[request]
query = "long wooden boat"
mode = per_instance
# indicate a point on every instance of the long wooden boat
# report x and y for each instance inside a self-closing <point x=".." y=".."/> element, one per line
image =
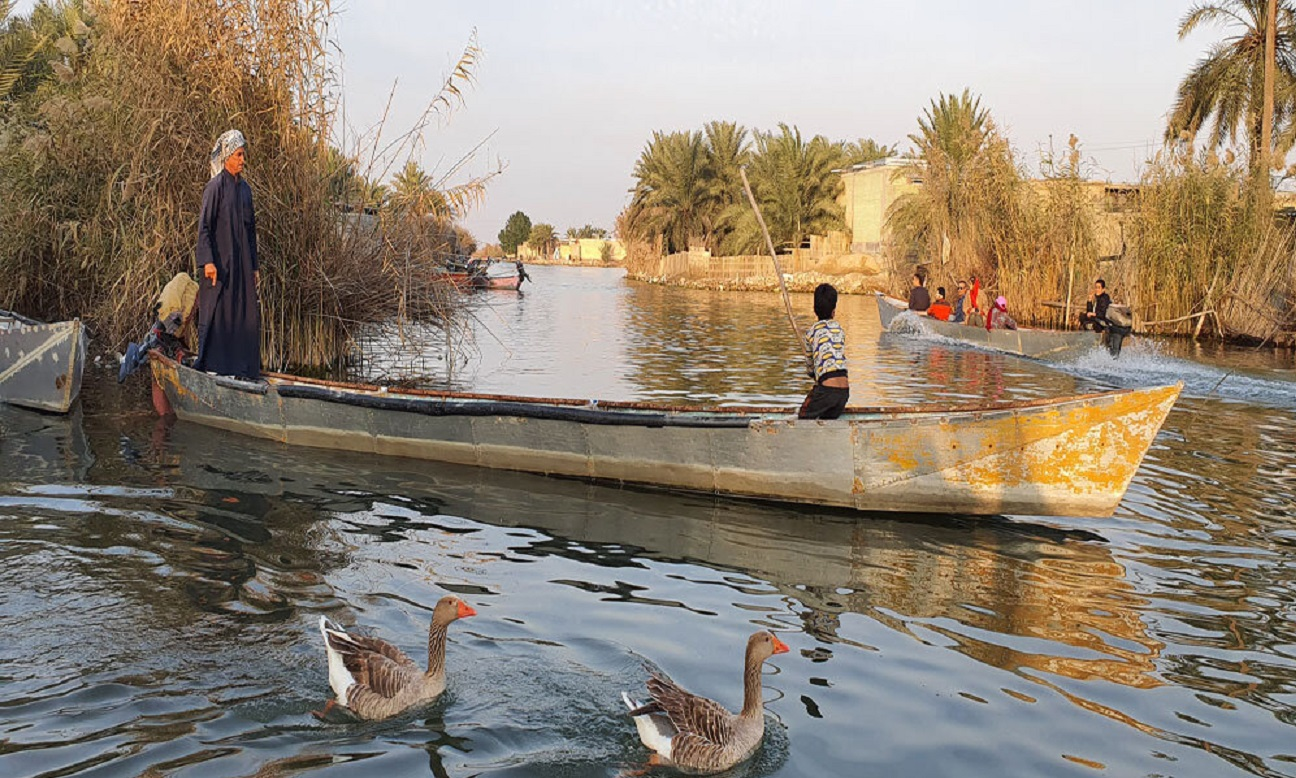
<point x="1026" y="342"/>
<point x="1073" y="456"/>
<point x="40" y="364"/>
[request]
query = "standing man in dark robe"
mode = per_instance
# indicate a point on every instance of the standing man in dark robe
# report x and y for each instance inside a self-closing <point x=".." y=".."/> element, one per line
<point x="229" y="313"/>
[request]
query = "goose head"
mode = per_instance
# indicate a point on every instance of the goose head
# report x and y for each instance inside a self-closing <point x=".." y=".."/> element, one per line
<point x="763" y="645"/>
<point x="451" y="608"/>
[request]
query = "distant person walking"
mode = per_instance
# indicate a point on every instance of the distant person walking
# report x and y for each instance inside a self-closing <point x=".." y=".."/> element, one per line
<point x="826" y="344"/>
<point x="229" y="313"/>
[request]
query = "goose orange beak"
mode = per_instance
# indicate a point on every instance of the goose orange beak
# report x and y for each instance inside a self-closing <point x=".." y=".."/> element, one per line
<point x="465" y="610"/>
<point x="780" y="647"/>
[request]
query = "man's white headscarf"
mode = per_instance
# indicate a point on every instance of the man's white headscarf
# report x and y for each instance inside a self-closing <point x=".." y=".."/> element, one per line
<point x="226" y="145"/>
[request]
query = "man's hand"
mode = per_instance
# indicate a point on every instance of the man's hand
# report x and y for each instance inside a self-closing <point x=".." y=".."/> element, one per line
<point x="256" y="279"/>
<point x="209" y="270"/>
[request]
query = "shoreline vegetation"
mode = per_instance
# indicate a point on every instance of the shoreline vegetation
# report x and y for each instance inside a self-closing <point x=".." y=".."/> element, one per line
<point x="1201" y="244"/>
<point x="1192" y="247"/>
<point x="107" y="114"/>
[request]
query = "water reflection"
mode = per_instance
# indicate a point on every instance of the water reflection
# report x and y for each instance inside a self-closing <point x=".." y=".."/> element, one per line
<point x="160" y="585"/>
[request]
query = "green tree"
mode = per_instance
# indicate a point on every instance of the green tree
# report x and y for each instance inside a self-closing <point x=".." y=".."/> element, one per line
<point x="413" y="191"/>
<point x="1226" y="86"/>
<point x="541" y="239"/>
<point x="969" y="187"/>
<point x="588" y="231"/>
<point x="865" y="150"/>
<point x="674" y="192"/>
<point x="516" y="231"/>
<point x="794" y="182"/>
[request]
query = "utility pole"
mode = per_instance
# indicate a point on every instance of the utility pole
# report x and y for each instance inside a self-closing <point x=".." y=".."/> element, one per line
<point x="1266" y="118"/>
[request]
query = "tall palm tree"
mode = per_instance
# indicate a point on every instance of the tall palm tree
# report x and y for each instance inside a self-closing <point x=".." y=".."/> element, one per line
<point x="1226" y="86"/>
<point x="865" y="150"/>
<point x="967" y="176"/>
<point x="414" y="191"/>
<point x="542" y="238"/>
<point x="793" y="182"/>
<point x="674" y="192"/>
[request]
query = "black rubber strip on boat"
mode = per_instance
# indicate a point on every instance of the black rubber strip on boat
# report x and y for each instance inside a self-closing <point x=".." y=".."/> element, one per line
<point x="433" y="406"/>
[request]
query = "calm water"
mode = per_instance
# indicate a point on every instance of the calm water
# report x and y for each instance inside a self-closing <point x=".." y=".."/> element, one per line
<point x="160" y="583"/>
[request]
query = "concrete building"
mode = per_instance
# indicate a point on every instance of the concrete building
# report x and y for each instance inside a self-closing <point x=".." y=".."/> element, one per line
<point x="870" y="189"/>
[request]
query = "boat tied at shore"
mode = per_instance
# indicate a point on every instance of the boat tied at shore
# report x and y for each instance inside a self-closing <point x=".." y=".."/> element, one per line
<point x="40" y="364"/>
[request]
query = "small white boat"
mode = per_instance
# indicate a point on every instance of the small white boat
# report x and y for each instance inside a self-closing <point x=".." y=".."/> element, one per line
<point x="40" y="364"/>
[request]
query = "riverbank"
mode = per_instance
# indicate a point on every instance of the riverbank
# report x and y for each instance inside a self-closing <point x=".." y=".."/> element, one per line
<point x="849" y="273"/>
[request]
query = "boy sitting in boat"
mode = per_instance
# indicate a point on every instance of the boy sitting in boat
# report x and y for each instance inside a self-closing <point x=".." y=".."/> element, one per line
<point x="940" y="309"/>
<point x="826" y="350"/>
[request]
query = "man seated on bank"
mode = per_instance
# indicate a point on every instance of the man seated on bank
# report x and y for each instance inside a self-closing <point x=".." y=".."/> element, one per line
<point x="826" y="357"/>
<point x="940" y="309"/>
<point x="1095" y="313"/>
<point x="919" y="297"/>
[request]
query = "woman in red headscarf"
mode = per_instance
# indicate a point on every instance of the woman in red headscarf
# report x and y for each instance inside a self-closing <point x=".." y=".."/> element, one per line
<point x="998" y="316"/>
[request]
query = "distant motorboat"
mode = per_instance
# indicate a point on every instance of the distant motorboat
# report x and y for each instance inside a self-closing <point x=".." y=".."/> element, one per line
<point x="1024" y="341"/>
<point x="40" y="364"/>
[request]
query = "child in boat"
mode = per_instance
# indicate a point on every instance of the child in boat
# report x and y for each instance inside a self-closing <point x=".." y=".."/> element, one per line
<point x="826" y="350"/>
<point x="940" y="309"/>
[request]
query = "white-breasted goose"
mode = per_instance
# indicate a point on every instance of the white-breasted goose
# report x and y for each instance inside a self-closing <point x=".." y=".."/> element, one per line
<point x="700" y="736"/>
<point x="374" y="679"/>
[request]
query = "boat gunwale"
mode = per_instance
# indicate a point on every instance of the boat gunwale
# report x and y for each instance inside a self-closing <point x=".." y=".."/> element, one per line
<point x="753" y="413"/>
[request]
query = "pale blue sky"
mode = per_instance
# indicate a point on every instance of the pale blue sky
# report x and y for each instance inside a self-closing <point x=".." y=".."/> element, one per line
<point x="572" y="90"/>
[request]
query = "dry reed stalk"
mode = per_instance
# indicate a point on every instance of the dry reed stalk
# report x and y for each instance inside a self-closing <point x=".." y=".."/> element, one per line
<point x="105" y="168"/>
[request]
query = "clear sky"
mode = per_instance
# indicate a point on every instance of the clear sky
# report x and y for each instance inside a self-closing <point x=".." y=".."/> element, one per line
<point x="572" y="89"/>
<point x="569" y="91"/>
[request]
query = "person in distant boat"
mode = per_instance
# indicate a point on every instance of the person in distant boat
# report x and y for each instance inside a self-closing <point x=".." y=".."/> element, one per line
<point x="957" y="315"/>
<point x="1095" y="313"/>
<point x="974" y="315"/>
<point x="229" y="313"/>
<point x="826" y="349"/>
<point x="940" y="309"/>
<point x="919" y="297"/>
<point x="998" y="318"/>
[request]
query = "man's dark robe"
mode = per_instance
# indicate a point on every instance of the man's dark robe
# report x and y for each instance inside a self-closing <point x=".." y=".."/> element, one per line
<point x="229" y="316"/>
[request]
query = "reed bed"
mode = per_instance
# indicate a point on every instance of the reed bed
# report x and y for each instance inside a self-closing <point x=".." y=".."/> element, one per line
<point x="1192" y="248"/>
<point x="106" y="162"/>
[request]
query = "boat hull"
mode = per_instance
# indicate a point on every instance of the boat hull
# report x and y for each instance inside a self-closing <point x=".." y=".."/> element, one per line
<point x="1070" y="457"/>
<point x="41" y="364"/>
<point x="1037" y="344"/>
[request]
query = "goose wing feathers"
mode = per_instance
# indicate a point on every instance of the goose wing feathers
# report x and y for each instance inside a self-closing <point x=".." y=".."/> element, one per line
<point x="377" y="666"/>
<point x="698" y="719"/>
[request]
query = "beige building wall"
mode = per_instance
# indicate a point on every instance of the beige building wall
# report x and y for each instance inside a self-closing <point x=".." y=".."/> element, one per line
<point x="589" y="250"/>
<point x="869" y="191"/>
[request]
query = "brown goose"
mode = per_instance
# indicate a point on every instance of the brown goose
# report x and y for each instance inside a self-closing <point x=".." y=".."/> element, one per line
<point x="697" y="735"/>
<point x="374" y="679"/>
